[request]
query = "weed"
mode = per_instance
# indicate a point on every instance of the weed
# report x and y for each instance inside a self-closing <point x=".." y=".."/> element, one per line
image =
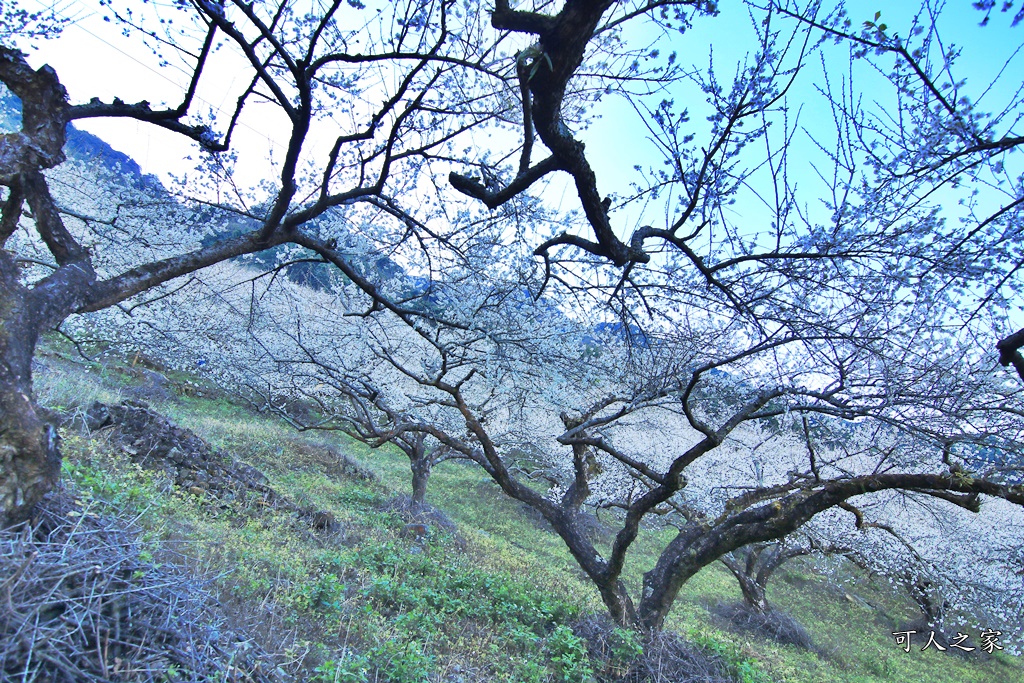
<point x="568" y="654"/>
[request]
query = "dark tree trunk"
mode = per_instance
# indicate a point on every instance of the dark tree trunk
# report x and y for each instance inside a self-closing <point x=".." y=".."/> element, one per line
<point x="620" y="605"/>
<point x="29" y="457"/>
<point x="928" y="598"/>
<point x="754" y="594"/>
<point x="570" y="525"/>
<point x="612" y="590"/>
<point x="421" y="467"/>
<point x="662" y="583"/>
<point x="698" y="545"/>
<point x="754" y="565"/>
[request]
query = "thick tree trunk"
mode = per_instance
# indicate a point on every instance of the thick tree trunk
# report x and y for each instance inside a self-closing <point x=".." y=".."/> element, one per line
<point x="619" y="604"/>
<point x="754" y="565"/>
<point x="659" y="594"/>
<point x="29" y="458"/>
<point x="420" y="475"/>
<point x="754" y="594"/>
<point x="569" y="525"/>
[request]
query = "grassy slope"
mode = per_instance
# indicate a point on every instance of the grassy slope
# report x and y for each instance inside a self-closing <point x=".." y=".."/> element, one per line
<point x="365" y="604"/>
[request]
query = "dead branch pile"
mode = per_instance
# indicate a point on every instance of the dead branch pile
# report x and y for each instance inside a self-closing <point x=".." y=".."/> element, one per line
<point x="665" y="657"/>
<point x="80" y="600"/>
<point x="773" y="624"/>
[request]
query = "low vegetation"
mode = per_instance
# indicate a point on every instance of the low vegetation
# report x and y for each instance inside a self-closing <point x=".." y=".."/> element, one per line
<point x="474" y="589"/>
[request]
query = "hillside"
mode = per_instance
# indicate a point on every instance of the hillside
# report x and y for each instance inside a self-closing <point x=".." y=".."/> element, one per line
<point x="689" y="326"/>
<point x="81" y="144"/>
<point x="475" y="589"/>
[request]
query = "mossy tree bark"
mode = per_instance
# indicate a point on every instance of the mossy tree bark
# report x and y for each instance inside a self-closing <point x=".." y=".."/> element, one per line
<point x="755" y="594"/>
<point x="29" y="456"/>
<point x="29" y="459"/>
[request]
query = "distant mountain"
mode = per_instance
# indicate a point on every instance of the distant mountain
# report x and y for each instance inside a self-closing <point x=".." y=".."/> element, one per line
<point x="84" y="146"/>
<point x="81" y="146"/>
<point x="627" y="333"/>
<point x="418" y="293"/>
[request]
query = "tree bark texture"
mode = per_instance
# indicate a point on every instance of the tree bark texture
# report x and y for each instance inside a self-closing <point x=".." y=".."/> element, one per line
<point x="752" y="566"/>
<point x="421" y="467"/>
<point x="29" y="457"/>
<point x="754" y="594"/>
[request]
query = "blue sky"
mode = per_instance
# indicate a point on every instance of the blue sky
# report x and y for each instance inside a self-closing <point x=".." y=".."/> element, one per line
<point x="93" y="59"/>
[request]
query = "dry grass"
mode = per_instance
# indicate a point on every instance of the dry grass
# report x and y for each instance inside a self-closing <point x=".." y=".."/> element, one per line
<point x="83" y="600"/>
<point x="623" y="657"/>
<point x="772" y="625"/>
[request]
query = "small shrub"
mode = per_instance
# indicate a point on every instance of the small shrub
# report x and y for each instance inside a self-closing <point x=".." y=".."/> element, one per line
<point x="626" y="646"/>
<point x="612" y="649"/>
<point x="569" y="656"/>
<point x="402" y="662"/>
<point x="351" y="668"/>
<point x="728" y="663"/>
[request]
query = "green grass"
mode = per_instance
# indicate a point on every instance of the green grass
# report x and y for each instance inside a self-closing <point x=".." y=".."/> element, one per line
<point x="367" y="604"/>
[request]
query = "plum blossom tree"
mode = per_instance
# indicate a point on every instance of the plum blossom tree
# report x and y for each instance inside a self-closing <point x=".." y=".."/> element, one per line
<point x="936" y="138"/>
<point x="614" y="465"/>
<point x="304" y="65"/>
<point x="372" y="103"/>
<point x="754" y="565"/>
<point x="643" y="370"/>
<point x="905" y="540"/>
<point x="879" y="279"/>
<point x="359" y="416"/>
<point x="675" y="428"/>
